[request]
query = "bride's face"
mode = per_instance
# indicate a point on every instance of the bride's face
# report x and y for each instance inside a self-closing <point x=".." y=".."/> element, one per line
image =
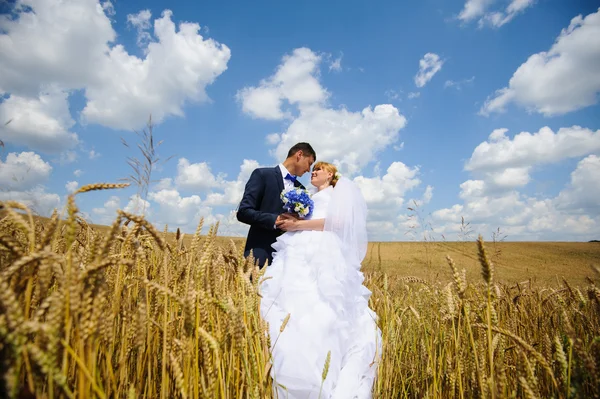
<point x="319" y="177"/>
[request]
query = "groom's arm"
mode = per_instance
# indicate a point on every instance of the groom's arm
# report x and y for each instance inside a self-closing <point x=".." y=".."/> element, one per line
<point x="248" y="211"/>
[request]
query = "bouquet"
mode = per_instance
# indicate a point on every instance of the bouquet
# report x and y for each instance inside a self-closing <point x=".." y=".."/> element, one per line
<point x="298" y="201"/>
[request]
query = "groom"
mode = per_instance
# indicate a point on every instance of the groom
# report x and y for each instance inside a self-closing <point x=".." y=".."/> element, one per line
<point x="261" y="206"/>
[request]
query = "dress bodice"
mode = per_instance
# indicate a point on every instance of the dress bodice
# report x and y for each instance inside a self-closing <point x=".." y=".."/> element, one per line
<point x="321" y="200"/>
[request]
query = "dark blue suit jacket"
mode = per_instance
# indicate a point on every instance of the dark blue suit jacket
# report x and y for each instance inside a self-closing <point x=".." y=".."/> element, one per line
<point x="260" y="206"/>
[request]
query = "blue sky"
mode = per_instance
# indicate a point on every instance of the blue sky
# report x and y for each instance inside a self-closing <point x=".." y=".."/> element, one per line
<point x="482" y="109"/>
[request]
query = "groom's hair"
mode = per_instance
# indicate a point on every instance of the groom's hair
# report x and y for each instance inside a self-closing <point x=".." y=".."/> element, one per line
<point x="306" y="149"/>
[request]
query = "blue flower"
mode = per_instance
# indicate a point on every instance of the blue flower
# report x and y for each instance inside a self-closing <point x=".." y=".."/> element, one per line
<point x="298" y="201"/>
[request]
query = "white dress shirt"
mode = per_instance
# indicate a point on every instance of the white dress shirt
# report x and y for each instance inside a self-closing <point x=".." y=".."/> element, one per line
<point x="287" y="184"/>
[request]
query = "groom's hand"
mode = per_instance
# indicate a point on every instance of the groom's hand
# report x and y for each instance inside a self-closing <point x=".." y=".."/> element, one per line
<point x="283" y="218"/>
<point x="288" y="224"/>
<point x="278" y="221"/>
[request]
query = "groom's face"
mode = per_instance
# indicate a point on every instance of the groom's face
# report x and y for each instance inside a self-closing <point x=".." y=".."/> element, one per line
<point x="304" y="163"/>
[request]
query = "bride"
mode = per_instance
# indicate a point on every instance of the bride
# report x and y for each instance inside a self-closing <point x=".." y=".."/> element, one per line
<point x="325" y="342"/>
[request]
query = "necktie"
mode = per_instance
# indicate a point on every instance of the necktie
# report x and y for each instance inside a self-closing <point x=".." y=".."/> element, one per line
<point x="290" y="177"/>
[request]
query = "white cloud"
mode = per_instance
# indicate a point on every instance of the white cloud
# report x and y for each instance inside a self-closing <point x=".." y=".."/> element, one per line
<point x="414" y="94"/>
<point x="196" y="176"/>
<point x="228" y="224"/>
<point x="71" y="186"/>
<point x="518" y="215"/>
<point x="170" y="207"/>
<point x="36" y="199"/>
<point x="458" y="85"/>
<point x="109" y="8"/>
<point x="141" y="22"/>
<point x="583" y="191"/>
<point x="108" y="212"/>
<point x="392" y="94"/>
<point x="67" y="157"/>
<point x="59" y="42"/>
<point x="40" y="123"/>
<point x="176" y="210"/>
<point x="69" y="45"/>
<point x="479" y="9"/>
<point x="389" y="190"/>
<point x="262" y="102"/>
<point x="295" y="81"/>
<point x="139" y="206"/>
<point x="78" y="172"/>
<point x="336" y="65"/>
<point x="176" y="70"/>
<point x="527" y="149"/>
<point x="509" y="177"/>
<point x="348" y="139"/>
<point x="429" y="65"/>
<point x="474" y="9"/>
<point x="539" y="84"/>
<point x="167" y="206"/>
<point x="164" y="184"/>
<point x="23" y="171"/>
<point x="516" y="6"/>
<point x="385" y="197"/>
<point x="232" y="190"/>
<point x="386" y="200"/>
<point x="272" y="139"/>
<point x="110" y="207"/>
<point x="487" y="203"/>
<point x="92" y="154"/>
<point x="428" y="195"/>
<point x="500" y="18"/>
<point x="502" y="166"/>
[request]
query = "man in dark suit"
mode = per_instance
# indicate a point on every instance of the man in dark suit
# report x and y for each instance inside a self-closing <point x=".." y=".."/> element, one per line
<point x="261" y="206"/>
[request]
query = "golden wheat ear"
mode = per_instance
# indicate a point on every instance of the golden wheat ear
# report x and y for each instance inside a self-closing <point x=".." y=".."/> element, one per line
<point x="100" y="186"/>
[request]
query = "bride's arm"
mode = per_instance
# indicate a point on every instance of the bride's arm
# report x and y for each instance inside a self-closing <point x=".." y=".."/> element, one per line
<point x="292" y="224"/>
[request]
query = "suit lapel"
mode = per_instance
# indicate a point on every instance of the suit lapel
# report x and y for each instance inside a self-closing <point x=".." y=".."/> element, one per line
<point x="278" y="178"/>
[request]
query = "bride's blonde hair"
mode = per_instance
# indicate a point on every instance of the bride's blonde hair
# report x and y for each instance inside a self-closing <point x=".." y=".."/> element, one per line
<point x="329" y="168"/>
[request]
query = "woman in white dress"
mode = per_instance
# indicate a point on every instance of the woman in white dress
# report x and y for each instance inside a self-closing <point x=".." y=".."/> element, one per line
<point x="315" y="278"/>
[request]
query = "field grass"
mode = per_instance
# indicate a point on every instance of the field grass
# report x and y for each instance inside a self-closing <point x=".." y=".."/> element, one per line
<point x="125" y="311"/>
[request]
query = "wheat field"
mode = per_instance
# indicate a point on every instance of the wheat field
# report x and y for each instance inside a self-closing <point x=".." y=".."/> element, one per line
<point x="131" y="312"/>
<point x="540" y="263"/>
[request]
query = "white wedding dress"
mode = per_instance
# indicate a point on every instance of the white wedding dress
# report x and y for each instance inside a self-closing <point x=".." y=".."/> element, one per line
<point x="314" y="281"/>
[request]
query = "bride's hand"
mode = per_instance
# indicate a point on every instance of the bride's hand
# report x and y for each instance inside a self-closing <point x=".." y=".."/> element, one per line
<point x="288" y="224"/>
